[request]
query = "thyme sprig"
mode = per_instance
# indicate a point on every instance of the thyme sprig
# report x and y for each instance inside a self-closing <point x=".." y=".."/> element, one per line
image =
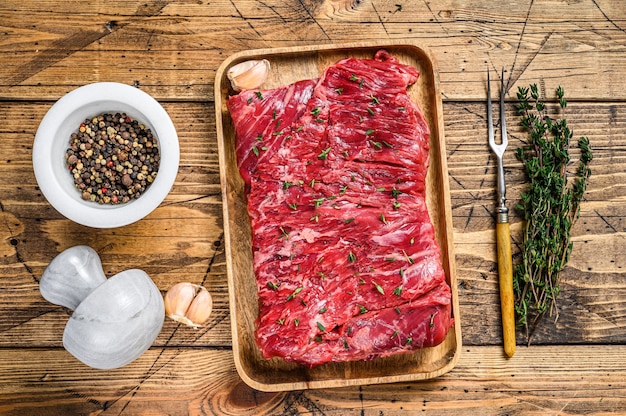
<point x="550" y="205"/>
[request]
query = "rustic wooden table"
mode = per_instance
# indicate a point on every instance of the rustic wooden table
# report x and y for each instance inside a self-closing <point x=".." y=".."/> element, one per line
<point x="172" y="49"/>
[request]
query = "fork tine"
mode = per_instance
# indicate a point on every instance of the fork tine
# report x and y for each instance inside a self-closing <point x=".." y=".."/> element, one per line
<point x="502" y="118"/>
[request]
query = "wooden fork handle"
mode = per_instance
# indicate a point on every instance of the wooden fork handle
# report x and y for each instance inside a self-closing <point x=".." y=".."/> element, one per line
<point x="505" y="272"/>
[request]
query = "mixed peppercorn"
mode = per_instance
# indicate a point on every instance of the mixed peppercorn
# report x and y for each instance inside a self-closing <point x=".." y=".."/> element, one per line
<point x="113" y="158"/>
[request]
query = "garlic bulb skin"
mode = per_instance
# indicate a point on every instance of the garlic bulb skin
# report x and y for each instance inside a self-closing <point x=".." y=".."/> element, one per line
<point x="248" y="75"/>
<point x="117" y="322"/>
<point x="71" y="276"/>
<point x="189" y="304"/>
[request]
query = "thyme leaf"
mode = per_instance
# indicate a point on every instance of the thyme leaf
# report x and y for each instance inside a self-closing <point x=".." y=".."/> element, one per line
<point x="550" y="205"/>
<point x="294" y="293"/>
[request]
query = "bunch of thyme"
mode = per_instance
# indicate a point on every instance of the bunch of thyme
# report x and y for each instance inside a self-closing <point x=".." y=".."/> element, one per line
<point x="550" y="206"/>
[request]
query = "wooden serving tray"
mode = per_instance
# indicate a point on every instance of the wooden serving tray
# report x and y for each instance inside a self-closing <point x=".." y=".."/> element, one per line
<point x="289" y="65"/>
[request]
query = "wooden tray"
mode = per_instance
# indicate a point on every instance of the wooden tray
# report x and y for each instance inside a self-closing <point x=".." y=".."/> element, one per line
<point x="290" y="65"/>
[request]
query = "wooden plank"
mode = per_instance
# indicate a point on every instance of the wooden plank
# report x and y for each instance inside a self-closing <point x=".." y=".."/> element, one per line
<point x="594" y="282"/>
<point x="173" y="50"/>
<point x="182" y="239"/>
<point x="537" y="381"/>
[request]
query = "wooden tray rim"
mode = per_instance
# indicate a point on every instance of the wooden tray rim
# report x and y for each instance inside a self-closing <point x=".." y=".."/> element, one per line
<point x="447" y="215"/>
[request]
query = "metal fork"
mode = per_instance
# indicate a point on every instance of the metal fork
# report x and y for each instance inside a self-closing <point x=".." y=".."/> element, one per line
<point x="503" y="231"/>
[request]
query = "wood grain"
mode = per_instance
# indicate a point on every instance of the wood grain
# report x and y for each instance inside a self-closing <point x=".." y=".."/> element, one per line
<point x="172" y="50"/>
<point x="33" y="232"/>
<point x="505" y="285"/>
<point x="175" y="381"/>
<point x="596" y="258"/>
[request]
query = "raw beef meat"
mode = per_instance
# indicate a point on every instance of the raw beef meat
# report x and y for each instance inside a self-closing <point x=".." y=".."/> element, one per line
<point x="258" y="123"/>
<point x="345" y="257"/>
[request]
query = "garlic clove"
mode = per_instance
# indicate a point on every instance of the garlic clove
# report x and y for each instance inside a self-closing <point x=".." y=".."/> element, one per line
<point x="201" y="308"/>
<point x="71" y="276"/>
<point x="248" y="75"/>
<point x="178" y="299"/>
<point x="117" y="322"/>
<point x="188" y="303"/>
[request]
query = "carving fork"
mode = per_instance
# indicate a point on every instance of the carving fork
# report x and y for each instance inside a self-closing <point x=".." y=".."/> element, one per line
<point x="503" y="232"/>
